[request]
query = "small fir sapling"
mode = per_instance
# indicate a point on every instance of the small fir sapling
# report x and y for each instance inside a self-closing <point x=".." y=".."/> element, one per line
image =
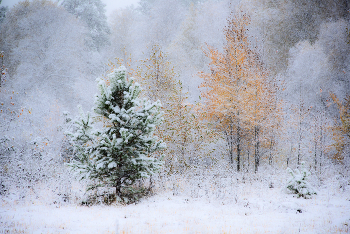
<point x="298" y="183"/>
<point x="113" y="148"/>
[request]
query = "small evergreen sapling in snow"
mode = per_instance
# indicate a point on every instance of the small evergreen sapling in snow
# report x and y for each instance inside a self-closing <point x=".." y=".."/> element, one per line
<point x="298" y="183"/>
<point x="113" y="148"/>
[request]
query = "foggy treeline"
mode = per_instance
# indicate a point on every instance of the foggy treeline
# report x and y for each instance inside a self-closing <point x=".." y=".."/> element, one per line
<point x="245" y="85"/>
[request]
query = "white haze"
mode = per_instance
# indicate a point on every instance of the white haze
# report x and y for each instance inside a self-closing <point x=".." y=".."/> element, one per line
<point x="53" y="58"/>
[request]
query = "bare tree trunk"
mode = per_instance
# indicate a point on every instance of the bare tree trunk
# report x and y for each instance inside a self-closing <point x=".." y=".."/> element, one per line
<point x="238" y="147"/>
<point x="118" y="188"/>
<point x="2" y="65"/>
<point x="300" y="116"/>
<point x="151" y="185"/>
<point x="315" y="154"/>
<point x="316" y="141"/>
<point x="248" y="161"/>
<point x="229" y="139"/>
<point x="230" y="146"/>
<point x="299" y="141"/>
<point x="257" y="143"/>
<point x="322" y="148"/>
<point x="270" y="157"/>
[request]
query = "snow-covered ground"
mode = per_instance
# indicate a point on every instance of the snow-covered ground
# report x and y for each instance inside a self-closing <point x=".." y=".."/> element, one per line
<point x="253" y="209"/>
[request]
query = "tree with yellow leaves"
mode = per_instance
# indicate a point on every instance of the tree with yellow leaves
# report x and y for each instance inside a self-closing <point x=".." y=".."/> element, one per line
<point x="238" y="98"/>
<point x="341" y="132"/>
<point x="182" y="131"/>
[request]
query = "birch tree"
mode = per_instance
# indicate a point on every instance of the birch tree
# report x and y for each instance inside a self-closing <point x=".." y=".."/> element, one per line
<point x="182" y="130"/>
<point x="237" y="95"/>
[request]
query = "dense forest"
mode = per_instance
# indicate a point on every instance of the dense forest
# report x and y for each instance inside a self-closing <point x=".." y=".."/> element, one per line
<point x="248" y="87"/>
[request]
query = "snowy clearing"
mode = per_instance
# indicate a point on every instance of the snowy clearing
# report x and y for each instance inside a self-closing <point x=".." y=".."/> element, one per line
<point x="203" y="112"/>
<point x="254" y="211"/>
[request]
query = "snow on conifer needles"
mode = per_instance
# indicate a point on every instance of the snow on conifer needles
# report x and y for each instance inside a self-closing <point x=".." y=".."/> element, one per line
<point x="113" y="148"/>
<point x="298" y="183"/>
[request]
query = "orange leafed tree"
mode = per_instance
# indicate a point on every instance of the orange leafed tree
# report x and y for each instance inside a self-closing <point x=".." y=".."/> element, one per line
<point x="238" y="97"/>
<point x="341" y="132"/>
<point x="185" y="136"/>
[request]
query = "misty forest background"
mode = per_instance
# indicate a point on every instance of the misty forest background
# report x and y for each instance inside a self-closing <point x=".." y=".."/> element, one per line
<point x="248" y="87"/>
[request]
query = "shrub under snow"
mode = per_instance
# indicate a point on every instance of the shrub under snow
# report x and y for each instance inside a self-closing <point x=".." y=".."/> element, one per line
<point x="298" y="183"/>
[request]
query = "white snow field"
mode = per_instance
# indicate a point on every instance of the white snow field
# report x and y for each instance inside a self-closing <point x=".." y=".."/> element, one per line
<point x="242" y="207"/>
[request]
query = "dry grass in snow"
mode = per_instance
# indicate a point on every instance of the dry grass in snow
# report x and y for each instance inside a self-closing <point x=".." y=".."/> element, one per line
<point x="252" y="209"/>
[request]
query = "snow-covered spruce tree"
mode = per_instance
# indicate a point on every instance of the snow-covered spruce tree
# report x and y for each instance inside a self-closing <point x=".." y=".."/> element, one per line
<point x="114" y="147"/>
<point x="298" y="183"/>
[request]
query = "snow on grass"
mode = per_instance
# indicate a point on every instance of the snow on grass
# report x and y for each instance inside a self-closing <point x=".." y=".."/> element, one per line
<point x="254" y="209"/>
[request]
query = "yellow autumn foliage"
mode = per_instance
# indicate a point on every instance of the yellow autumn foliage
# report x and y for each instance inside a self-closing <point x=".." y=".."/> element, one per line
<point x="238" y="96"/>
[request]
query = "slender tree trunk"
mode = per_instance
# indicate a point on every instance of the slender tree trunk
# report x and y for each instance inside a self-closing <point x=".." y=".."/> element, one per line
<point x="270" y="157"/>
<point x="229" y="138"/>
<point x="238" y="147"/>
<point x="299" y="141"/>
<point x="322" y="148"/>
<point x="118" y="188"/>
<point x="299" y="153"/>
<point x="184" y="136"/>
<point x="231" y="151"/>
<point x="248" y="161"/>
<point x="2" y="65"/>
<point x="230" y="146"/>
<point x="151" y="186"/>
<point x="257" y="143"/>
<point x="315" y="155"/>
<point x="300" y="115"/>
